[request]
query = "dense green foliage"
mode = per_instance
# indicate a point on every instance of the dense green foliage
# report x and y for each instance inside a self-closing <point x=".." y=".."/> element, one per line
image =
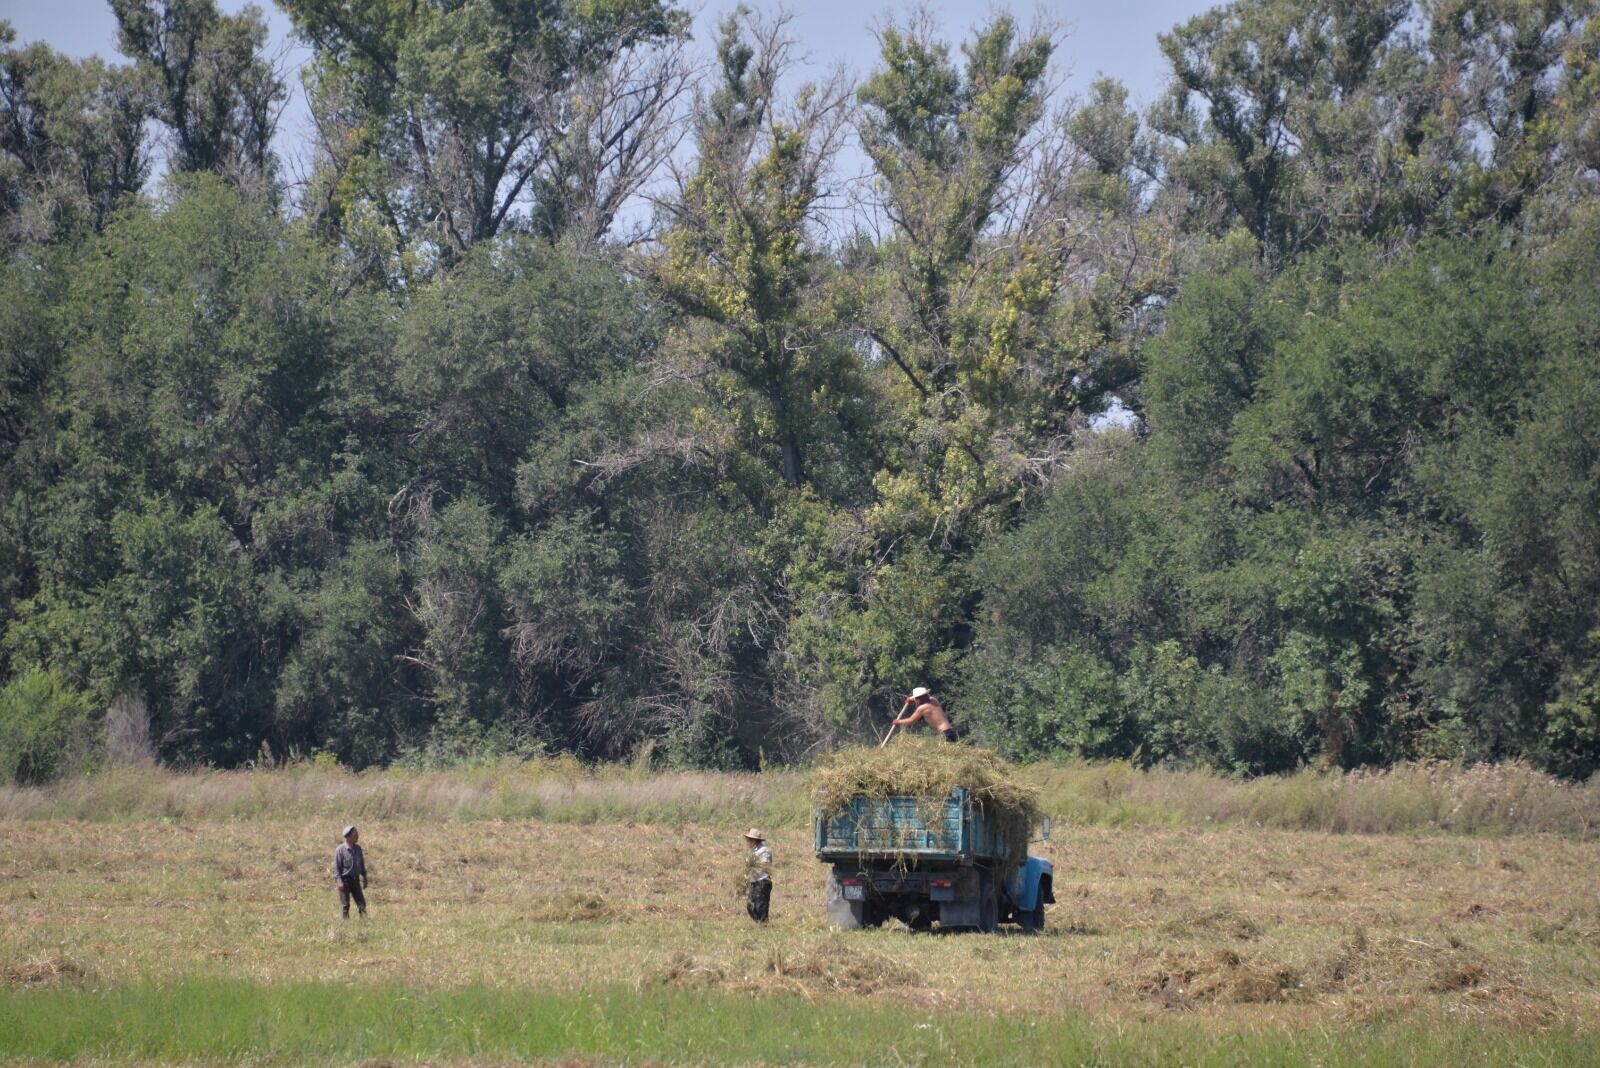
<point x="1259" y="429"/>
<point x="44" y="728"/>
<point x="1363" y="524"/>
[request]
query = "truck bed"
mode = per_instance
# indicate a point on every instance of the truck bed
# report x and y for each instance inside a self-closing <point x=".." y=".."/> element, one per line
<point x="900" y="829"/>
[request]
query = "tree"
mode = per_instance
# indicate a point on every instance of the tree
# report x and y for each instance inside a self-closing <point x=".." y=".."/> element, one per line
<point x="190" y="473"/>
<point x="1517" y="71"/>
<point x="737" y="255"/>
<point x="490" y="357"/>
<point x="955" y="293"/>
<point x="444" y="119"/>
<point x="214" y="89"/>
<point x="436" y="468"/>
<point x="72" y="140"/>
<point x="1506" y="615"/>
<point x="1388" y="119"/>
<point x="946" y="143"/>
<point x="612" y="133"/>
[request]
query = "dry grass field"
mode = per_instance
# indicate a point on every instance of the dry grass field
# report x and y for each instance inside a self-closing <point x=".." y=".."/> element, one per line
<point x="1216" y="931"/>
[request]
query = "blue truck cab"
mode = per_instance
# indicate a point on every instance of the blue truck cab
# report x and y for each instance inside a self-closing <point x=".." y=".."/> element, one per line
<point x="924" y="864"/>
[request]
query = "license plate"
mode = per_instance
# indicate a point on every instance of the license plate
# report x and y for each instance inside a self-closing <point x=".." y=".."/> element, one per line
<point x="855" y="893"/>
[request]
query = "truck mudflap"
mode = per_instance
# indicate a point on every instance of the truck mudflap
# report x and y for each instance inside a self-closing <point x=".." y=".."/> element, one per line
<point x="964" y="905"/>
<point x="847" y="904"/>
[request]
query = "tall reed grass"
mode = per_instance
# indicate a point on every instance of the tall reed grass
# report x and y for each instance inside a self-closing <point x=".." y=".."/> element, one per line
<point x="1484" y="799"/>
<point x="559" y="790"/>
<point x="1496" y="799"/>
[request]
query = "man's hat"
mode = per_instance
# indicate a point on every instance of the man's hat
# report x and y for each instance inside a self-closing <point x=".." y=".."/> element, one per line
<point x="755" y="835"/>
<point x="348" y="831"/>
<point x="920" y="691"/>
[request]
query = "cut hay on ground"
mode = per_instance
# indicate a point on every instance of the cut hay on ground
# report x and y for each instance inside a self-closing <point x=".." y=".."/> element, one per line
<point x="929" y="770"/>
<point x="41" y="969"/>
<point x="811" y="971"/>
<point x="1179" y="979"/>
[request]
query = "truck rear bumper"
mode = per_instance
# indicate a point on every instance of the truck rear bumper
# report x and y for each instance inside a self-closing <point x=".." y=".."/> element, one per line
<point x="953" y="897"/>
<point x="934" y="886"/>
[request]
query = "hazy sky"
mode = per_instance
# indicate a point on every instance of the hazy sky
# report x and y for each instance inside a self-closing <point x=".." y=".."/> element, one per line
<point x="1118" y="39"/>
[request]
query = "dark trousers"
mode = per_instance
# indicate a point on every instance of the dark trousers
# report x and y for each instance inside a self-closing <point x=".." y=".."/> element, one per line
<point x="758" y="900"/>
<point x="950" y="734"/>
<point x="350" y="889"/>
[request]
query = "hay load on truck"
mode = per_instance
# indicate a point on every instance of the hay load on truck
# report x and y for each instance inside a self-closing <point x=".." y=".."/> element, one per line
<point x="929" y="834"/>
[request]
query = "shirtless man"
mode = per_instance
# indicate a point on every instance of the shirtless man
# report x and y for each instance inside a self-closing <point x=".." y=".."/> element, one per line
<point x="926" y="709"/>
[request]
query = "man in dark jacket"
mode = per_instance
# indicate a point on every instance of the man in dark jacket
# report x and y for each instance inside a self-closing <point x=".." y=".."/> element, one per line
<point x="350" y="872"/>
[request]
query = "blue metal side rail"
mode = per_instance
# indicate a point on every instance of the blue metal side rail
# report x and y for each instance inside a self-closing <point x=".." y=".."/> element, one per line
<point x="900" y="828"/>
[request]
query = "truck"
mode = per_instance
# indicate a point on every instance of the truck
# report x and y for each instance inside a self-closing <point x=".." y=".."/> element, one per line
<point x="923" y="862"/>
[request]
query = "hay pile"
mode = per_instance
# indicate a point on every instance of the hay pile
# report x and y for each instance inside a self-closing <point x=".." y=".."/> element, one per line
<point x="929" y="769"/>
<point x="820" y="969"/>
<point x="579" y="906"/>
<point x="1180" y="978"/>
<point x="36" y="971"/>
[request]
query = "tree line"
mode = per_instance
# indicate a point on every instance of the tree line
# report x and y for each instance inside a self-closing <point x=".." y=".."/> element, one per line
<point x="582" y="397"/>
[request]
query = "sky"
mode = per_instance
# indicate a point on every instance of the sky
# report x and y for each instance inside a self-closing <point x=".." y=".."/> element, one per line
<point x="1117" y="39"/>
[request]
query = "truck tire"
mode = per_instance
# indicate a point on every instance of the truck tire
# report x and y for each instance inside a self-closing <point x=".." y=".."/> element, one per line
<point x="845" y="915"/>
<point x="1032" y="921"/>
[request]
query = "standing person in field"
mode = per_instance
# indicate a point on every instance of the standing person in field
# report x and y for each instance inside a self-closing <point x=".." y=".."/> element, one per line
<point x="758" y="898"/>
<point x="927" y="709"/>
<point x="350" y="872"/>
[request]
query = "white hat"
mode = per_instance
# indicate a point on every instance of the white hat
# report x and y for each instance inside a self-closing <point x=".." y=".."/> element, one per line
<point x="920" y="691"/>
<point x="755" y="835"/>
<point x="348" y="831"/>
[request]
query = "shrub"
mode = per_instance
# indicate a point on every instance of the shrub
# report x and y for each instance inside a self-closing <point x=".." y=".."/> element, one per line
<point x="44" y="728"/>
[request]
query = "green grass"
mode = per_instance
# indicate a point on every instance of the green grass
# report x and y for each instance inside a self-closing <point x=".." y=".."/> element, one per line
<point x="204" y="1020"/>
